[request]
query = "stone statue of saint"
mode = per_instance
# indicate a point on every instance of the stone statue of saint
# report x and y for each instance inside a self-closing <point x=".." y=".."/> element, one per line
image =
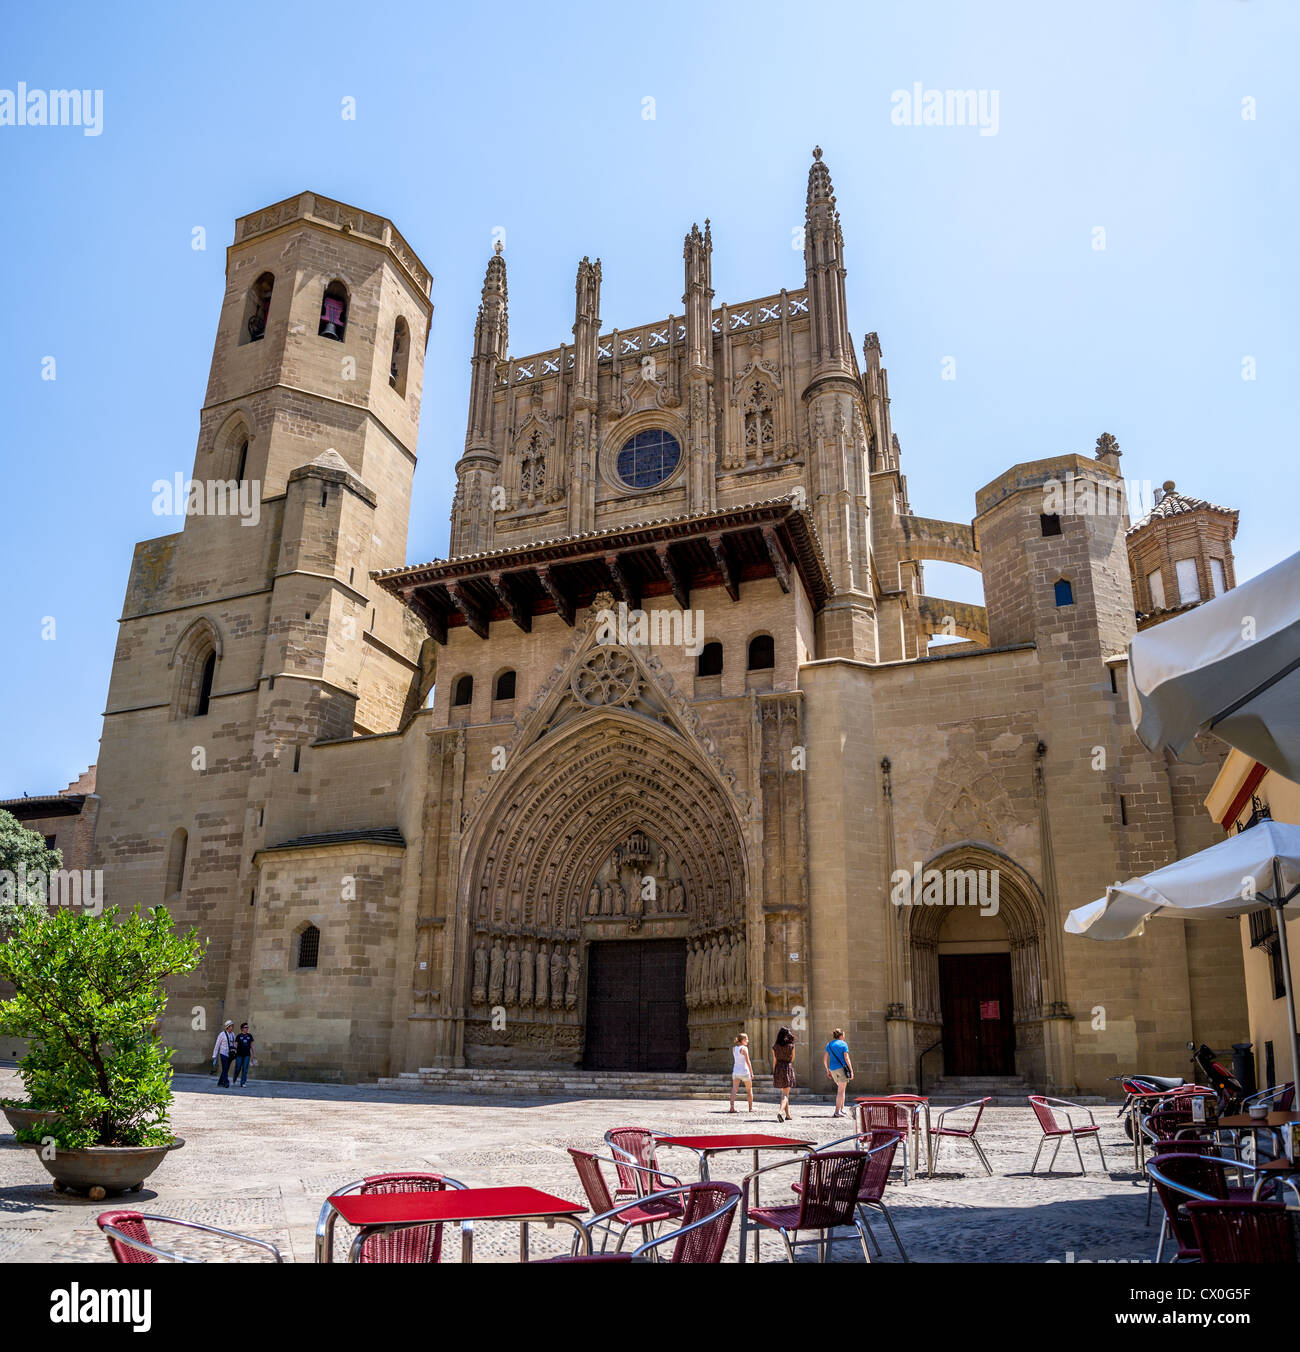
<point x="558" y="966"/>
<point x="593" y="900"/>
<point x="571" y="989"/>
<point x="479" y="992"/>
<point x="738" y="971"/>
<point x="496" y="973"/>
<point x="526" y="977"/>
<point x="635" y="898"/>
<point x="711" y="972"/>
<point x="543" y="970"/>
<point x="677" y="898"/>
<point x="606" y="899"/>
<point x="512" y="974"/>
<point x="620" y="899"/>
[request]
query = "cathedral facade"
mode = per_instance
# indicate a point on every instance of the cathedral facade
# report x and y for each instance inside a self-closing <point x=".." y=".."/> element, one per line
<point x="663" y="750"/>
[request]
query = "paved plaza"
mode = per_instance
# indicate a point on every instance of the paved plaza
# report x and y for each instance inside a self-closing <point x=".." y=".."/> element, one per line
<point x="260" y="1161"/>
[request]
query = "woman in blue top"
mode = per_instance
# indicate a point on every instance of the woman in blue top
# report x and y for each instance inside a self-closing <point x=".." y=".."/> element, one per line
<point x="838" y="1067"/>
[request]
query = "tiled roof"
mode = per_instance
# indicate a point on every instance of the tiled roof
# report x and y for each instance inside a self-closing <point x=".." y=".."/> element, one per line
<point x="1174" y="503"/>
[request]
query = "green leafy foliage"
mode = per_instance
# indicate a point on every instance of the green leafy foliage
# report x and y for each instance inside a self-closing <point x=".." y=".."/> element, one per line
<point x="25" y="864"/>
<point x="88" y="992"/>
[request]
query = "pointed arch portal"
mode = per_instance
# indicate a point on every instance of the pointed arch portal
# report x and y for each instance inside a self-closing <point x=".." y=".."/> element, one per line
<point x="612" y="830"/>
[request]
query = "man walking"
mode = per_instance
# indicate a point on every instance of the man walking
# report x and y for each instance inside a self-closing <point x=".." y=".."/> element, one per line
<point x="243" y="1054"/>
<point x="224" y="1050"/>
<point x="838" y="1067"/>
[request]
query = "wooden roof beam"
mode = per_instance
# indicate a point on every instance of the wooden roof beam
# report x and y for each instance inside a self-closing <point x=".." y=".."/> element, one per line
<point x="679" y="582"/>
<point x="776" y="552"/>
<point x="474" y="617"/>
<point x="622" y="583"/>
<point x="563" y="602"/>
<point x="724" y="567"/>
<point x="520" y="612"/>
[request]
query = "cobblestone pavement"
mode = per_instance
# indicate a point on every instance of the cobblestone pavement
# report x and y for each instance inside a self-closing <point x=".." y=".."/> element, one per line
<point x="260" y="1160"/>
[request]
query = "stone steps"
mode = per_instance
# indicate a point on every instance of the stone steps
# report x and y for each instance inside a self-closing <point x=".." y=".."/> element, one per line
<point x="498" y="1082"/>
<point x="490" y="1081"/>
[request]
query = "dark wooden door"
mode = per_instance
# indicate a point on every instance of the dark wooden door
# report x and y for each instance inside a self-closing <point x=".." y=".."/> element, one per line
<point x="636" y="1005"/>
<point x="979" y="1036"/>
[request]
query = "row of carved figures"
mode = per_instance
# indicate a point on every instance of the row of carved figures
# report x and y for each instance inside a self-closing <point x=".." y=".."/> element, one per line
<point x="715" y="971"/>
<point x="521" y="977"/>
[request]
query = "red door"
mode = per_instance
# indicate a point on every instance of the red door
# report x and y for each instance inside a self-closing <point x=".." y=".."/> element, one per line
<point x="979" y="1036"/>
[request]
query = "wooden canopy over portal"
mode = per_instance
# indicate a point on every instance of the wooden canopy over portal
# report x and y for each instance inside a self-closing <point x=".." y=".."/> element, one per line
<point x="675" y="555"/>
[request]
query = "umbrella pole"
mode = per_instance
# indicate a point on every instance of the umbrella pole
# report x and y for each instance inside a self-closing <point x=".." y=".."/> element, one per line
<point x="1287" y="985"/>
<point x="1279" y="905"/>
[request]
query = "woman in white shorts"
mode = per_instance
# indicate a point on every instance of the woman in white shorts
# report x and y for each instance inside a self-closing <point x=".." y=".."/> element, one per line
<point x="742" y="1070"/>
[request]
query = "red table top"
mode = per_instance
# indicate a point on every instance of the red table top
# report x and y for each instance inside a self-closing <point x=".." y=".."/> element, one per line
<point x="451" y="1204"/>
<point x="1240" y="1121"/>
<point x="731" y="1142"/>
<point x="894" y="1098"/>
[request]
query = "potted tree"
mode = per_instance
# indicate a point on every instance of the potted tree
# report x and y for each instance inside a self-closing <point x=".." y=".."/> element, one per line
<point x="88" y="993"/>
<point x="26" y="864"/>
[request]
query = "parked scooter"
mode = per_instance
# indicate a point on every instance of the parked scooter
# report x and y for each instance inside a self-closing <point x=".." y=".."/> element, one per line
<point x="1213" y="1076"/>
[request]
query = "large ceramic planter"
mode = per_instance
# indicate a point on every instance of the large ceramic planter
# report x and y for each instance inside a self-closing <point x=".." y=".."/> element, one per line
<point x="98" y="1170"/>
<point x="22" y="1118"/>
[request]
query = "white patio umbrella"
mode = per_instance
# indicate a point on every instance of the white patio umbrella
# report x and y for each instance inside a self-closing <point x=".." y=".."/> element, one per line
<point x="1246" y="872"/>
<point x="1231" y="667"/>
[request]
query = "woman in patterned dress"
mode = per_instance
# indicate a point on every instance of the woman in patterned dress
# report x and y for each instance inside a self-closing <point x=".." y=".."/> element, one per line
<point x="783" y="1070"/>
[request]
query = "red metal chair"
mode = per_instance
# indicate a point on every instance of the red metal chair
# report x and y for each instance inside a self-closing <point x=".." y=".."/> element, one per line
<point x="635" y="1146"/>
<point x="879" y="1149"/>
<point x="1202" y="1178"/>
<point x="129" y="1240"/>
<point x="829" y="1185"/>
<point x="702" y="1235"/>
<point x="1045" y="1109"/>
<point x="1242" y="1232"/>
<point x="939" y="1132"/>
<point x="411" y="1244"/>
<point x="644" y="1211"/>
<point x="875" y="1115"/>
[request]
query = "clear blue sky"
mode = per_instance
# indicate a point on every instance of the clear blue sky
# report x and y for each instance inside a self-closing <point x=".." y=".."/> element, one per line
<point x="1126" y="116"/>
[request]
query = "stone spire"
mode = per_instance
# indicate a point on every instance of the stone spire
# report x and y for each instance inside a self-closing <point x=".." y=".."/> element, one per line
<point x="582" y="426"/>
<point x="823" y="254"/>
<point x="491" y="344"/>
<point x="698" y="298"/>
<point x="478" y="469"/>
<point x="586" y="328"/>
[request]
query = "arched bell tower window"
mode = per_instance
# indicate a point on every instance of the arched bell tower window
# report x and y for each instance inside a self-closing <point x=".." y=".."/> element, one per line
<point x="505" y="688"/>
<point x="401" y="353"/>
<point x="257" y="309"/>
<point x="762" y="653"/>
<point x="709" y="662"/>
<point x="197" y="656"/>
<point x="463" y="691"/>
<point x="334" y="312"/>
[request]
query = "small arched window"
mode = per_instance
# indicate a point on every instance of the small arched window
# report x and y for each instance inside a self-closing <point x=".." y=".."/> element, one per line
<point x="334" y="312"/>
<point x="242" y="465"/>
<point x="463" y="692"/>
<point x="309" y="947"/>
<point x="204" y="694"/>
<point x="401" y="353"/>
<point x="709" y="662"/>
<point x="257" y="309"/>
<point x="762" y="653"/>
<point x="1064" y="593"/>
<point x="505" y="686"/>
<point x="176" y="852"/>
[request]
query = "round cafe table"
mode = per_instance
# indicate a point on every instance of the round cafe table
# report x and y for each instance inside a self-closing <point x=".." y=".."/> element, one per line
<point x="1270" y="1124"/>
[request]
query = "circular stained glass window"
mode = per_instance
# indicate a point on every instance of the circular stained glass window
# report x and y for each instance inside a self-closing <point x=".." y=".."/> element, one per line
<point x="648" y="458"/>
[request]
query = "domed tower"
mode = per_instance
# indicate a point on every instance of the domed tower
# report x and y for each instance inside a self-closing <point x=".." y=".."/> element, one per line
<point x="1180" y="554"/>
